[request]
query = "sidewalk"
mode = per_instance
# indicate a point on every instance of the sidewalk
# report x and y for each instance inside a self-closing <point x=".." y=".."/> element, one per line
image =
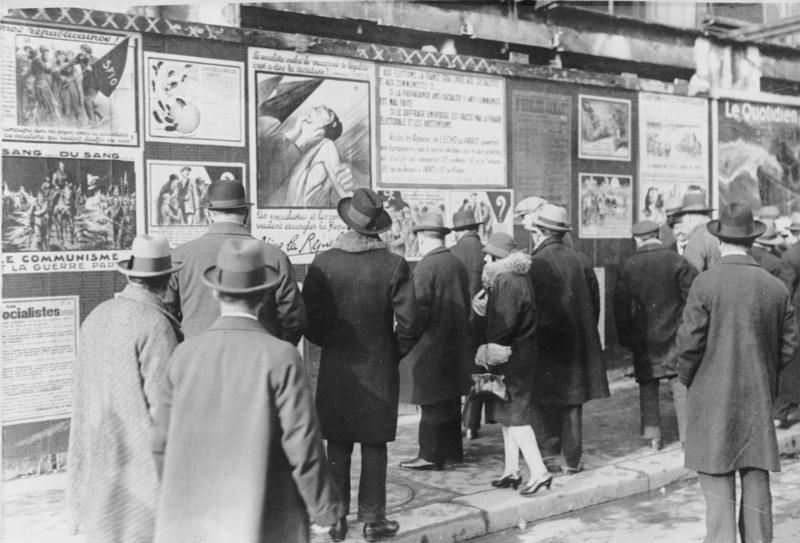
<point x="459" y="503"/>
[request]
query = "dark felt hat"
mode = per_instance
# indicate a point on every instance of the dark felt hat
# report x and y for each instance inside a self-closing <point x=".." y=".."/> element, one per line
<point x="736" y="223"/>
<point x="241" y="268"/>
<point x="464" y="219"/>
<point x="224" y="194"/>
<point x="642" y="228"/>
<point x="364" y="213"/>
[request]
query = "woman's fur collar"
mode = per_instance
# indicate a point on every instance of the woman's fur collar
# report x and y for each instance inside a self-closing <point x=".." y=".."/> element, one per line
<point x="354" y="242"/>
<point x="518" y="263"/>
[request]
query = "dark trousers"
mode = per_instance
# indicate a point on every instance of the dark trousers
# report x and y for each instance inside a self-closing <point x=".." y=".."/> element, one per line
<point x="755" y="510"/>
<point x="372" y="485"/>
<point x="648" y="405"/>
<point x="558" y="430"/>
<point x="473" y="406"/>
<point x="440" y="432"/>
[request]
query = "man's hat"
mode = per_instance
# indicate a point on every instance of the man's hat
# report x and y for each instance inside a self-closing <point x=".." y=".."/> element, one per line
<point x="553" y="217"/>
<point x="241" y="268"/>
<point x="693" y="202"/>
<point x="768" y="213"/>
<point x="464" y="219"/>
<point x="431" y="222"/>
<point x="532" y="204"/>
<point x="736" y="223"/>
<point x="223" y="195"/>
<point x="364" y="213"/>
<point x="795" y="225"/>
<point x="150" y="257"/>
<point x="770" y="235"/>
<point x="642" y="228"/>
<point x="500" y="245"/>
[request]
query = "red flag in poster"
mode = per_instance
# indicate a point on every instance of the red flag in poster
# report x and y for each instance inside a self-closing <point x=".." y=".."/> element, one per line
<point x="108" y="70"/>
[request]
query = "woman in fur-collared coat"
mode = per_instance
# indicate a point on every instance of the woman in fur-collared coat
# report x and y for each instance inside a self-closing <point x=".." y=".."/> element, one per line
<point x="511" y="322"/>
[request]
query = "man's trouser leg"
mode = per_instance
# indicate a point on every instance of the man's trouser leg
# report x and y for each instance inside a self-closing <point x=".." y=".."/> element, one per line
<point x="572" y="434"/>
<point x="546" y="423"/>
<point x="648" y="404"/>
<point x="372" y="485"/>
<point x="472" y="412"/>
<point x="679" y="395"/>
<point x="339" y="454"/>
<point x="755" y="511"/>
<point x="440" y="432"/>
<point x="720" y="494"/>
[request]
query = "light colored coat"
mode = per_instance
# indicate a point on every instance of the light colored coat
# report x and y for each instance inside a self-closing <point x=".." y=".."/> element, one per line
<point x="738" y="330"/>
<point x="122" y="359"/>
<point x="238" y="436"/>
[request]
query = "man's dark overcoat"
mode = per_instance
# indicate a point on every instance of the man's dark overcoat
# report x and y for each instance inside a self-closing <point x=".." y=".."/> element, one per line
<point x="570" y="368"/>
<point x="469" y="250"/>
<point x="790" y="376"/>
<point x="354" y="292"/>
<point x="776" y="266"/>
<point x="649" y="296"/>
<point x="242" y="452"/>
<point x="191" y="301"/>
<point x="738" y="330"/>
<point x="438" y="368"/>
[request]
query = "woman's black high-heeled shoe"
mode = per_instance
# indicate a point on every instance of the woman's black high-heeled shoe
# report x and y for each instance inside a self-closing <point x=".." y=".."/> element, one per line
<point x="509" y="481"/>
<point x="544" y="481"/>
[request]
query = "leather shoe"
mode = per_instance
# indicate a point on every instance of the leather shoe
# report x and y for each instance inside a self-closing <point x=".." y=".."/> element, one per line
<point x="374" y="531"/>
<point x="420" y="464"/>
<point x="508" y="481"/>
<point x="338" y="531"/>
<point x="567" y="470"/>
<point x="544" y="481"/>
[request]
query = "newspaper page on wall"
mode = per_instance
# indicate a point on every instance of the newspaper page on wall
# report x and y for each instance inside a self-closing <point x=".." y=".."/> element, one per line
<point x="68" y="208"/>
<point x="673" y="152"/>
<point x="759" y="154"/>
<point x="194" y="100"/>
<point x="314" y="144"/>
<point x="40" y="338"/>
<point x="69" y="85"/>
<point x="440" y="128"/>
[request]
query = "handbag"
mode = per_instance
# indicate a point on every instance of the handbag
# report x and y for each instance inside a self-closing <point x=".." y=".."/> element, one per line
<point x="489" y="386"/>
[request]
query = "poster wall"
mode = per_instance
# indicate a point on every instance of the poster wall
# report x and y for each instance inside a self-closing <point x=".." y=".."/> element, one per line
<point x="68" y="210"/>
<point x="405" y="208"/>
<point x="493" y="209"/>
<point x="541" y="136"/>
<point x="606" y="206"/>
<point x="40" y="339"/>
<point x="194" y="100"/>
<point x="673" y="151"/>
<point x="441" y="128"/>
<point x="62" y="85"/>
<point x="605" y="128"/>
<point x="759" y="146"/>
<point x="313" y="135"/>
<point x="177" y="196"/>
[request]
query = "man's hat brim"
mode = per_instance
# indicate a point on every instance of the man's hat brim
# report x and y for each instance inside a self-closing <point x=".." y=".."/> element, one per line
<point x="123" y="267"/>
<point x="379" y="225"/>
<point x="464" y="226"/>
<point x="699" y="209"/>
<point x="210" y="278"/>
<point x="715" y="228"/>
<point x="429" y="228"/>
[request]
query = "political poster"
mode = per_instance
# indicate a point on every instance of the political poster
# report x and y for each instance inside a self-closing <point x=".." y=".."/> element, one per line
<point x="493" y="211"/>
<point x="605" y="128"/>
<point x="606" y="206"/>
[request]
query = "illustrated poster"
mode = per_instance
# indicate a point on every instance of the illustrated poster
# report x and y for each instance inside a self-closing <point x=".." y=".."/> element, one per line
<point x="405" y="208"/>
<point x="605" y="206"/>
<point x="493" y="209"/>
<point x="605" y="128"/>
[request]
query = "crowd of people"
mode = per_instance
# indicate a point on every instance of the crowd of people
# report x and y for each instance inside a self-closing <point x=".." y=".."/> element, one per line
<point x="202" y="425"/>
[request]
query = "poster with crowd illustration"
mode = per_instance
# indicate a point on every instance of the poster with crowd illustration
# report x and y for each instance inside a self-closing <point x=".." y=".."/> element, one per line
<point x="759" y="154"/>
<point x="70" y="210"/>
<point x="69" y="86"/>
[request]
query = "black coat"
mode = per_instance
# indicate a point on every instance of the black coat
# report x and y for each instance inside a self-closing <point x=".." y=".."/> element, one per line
<point x="775" y="266"/>
<point x="650" y="293"/>
<point x="354" y="292"/>
<point x="438" y="368"/>
<point x="570" y="369"/>
<point x="469" y="250"/>
<point x="789" y="389"/>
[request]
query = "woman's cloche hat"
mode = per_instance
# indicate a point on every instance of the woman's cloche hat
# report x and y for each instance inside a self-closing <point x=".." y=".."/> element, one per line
<point x="151" y="256"/>
<point x="500" y="245"/>
<point x="364" y="213"/>
<point x="241" y="268"/>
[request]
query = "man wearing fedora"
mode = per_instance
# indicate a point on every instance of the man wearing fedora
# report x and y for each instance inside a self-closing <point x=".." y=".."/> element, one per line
<point x="787" y="410"/>
<point x="236" y="437"/>
<point x="190" y="299"/>
<point x="123" y="349"/>
<point x="361" y="311"/>
<point x="765" y="252"/>
<point x="649" y="297"/>
<point x="700" y="249"/>
<point x="569" y="369"/>
<point x="469" y="250"/>
<point x="436" y="373"/>
<point x="738" y="331"/>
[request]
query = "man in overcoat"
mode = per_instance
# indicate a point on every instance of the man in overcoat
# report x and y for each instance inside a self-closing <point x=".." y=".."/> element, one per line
<point x="282" y="313"/>
<point x="437" y="371"/>
<point x="701" y="249"/>
<point x="236" y="436"/>
<point x="738" y="331"/>
<point x="570" y="369"/>
<point x="469" y="250"/>
<point x="361" y="311"/>
<point x="649" y="296"/>
<point x="764" y="252"/>
<point x="786" y="410"/>
<point x="123" y="349"/>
